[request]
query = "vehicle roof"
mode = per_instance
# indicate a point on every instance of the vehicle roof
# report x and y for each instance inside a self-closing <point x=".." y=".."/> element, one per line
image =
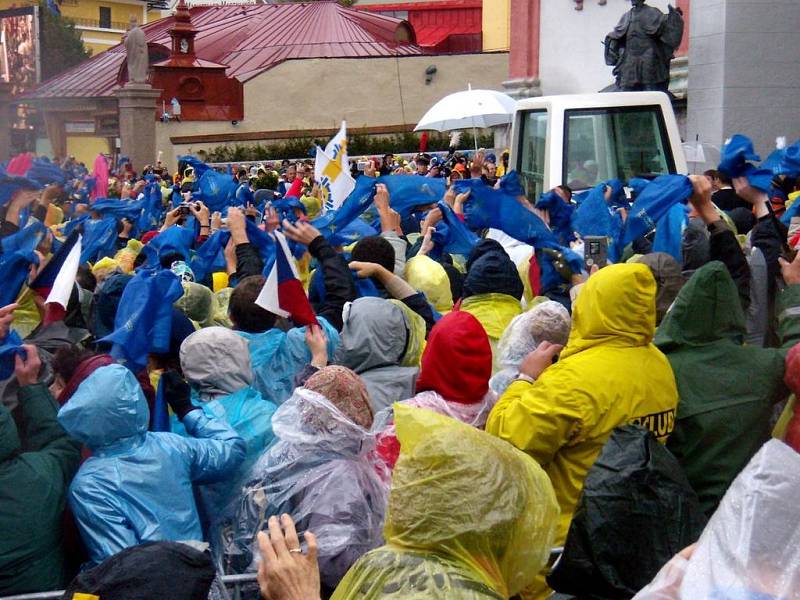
<point x="598" y="100"/>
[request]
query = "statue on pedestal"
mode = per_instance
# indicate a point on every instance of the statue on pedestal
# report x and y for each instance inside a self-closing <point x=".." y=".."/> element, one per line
<point x="641" y="47"/>
<point x="136" y="50"/>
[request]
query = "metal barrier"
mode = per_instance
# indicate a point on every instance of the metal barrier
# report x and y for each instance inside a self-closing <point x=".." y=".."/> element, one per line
<point x="233" y="584"/>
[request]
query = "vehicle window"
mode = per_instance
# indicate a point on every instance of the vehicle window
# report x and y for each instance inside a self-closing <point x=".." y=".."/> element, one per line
<point x="531" y="152"/>
<point x="616" y="143"/>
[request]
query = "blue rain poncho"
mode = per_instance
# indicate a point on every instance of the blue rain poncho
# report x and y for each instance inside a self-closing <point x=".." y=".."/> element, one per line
<point x="278" y="356"/>
<point x="137" y="486"/>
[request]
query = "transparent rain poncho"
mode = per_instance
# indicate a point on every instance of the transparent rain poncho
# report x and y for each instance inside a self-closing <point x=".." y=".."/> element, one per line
<point x="469" y="517"/>
<point x="545" y="322"/>
<point x="321" y="472"/>
<point x="750" y="549"/>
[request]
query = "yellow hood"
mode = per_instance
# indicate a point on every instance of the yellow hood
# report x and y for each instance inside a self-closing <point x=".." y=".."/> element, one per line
<point x="426" y="275"/>
<point x="615" y="308"/>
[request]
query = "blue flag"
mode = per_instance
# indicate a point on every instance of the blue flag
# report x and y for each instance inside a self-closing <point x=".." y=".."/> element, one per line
<point x="352" y="233"/>
<point x="13" y="273"/>
<point x="653" y="203"/>
<point x="11" y="184"/>
<point x="593" y="216"/>
<point x="144" y="317"/>
<point x="152" y="209"/>
<point x="10" y="347"/>
<point x="210" y="255"/>
<point x="160" y="420"/>
<point x="198" y="165"/>
<point x="499" y="209"/>
<point x="452" y="236"/>
<point x="785" y="161"/>
<point x="735" y="162"/>
<point x="99" y="239"/>
<point x="560" y="213"/>
<point x="119" y="209"/>
<point x="46" y="172"/>
<point x="669" y="232"/>
<point x="25" y="240"/>
<point x="173" y="239"/>
<point x="216" y="190"/>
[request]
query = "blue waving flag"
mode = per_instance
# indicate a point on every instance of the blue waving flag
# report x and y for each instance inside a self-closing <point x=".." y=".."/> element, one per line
<point x="593" y="217"/>
<point x="10" y="347"/>
<point x="119" y="209"/>
<point x="210" y="255"/>
<point x="452" y="236"/>
<point x="499" y="209"/>
<point x="653" y="203"/>
<point x="356" y="203"/>
<point x="25" y="240"/>
<point x="46" y="172"/>
<point x="735" y="162"/>
<point x="152" y="208"/>
<point x="144" y="317"/>
<point x="99" y="239"/>
<point x="11" y="184"/>
<point x="560" y="213"/>
<point x="352" y="233"/>
<point x="669" y="232"/>
<point x="216" y="190"/>
<point x="175" y="239"/>
<point x="785" y="161"/>
<point x="198" y="165"/>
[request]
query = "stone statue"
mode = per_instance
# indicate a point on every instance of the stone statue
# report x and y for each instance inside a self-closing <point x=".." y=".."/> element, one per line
<point x="136" y="49"/>
<point x="641" y="46"/>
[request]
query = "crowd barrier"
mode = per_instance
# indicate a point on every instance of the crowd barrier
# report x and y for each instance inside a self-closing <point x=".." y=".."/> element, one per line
<point x="233" y="585"/>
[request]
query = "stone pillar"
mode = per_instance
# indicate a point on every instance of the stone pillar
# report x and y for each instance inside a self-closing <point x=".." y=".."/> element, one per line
<point x="523" y="61"/>
<point x="742" y="79"/>
<point x="137" y="123"/>
<point x="5" y="121"/>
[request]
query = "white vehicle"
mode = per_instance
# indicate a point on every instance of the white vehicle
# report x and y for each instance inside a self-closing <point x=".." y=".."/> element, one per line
<point x="583" y="140"/>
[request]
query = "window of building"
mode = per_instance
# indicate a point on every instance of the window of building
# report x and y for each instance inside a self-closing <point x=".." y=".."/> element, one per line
<point x="105" y="17"/>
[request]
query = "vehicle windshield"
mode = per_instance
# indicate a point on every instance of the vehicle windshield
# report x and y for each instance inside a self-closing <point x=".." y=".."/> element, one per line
<point x="614" y="143"/>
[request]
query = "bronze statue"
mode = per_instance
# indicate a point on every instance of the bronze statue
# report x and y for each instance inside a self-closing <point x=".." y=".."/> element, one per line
<point x="136" y="50"/>
<point x="641" y="46"/>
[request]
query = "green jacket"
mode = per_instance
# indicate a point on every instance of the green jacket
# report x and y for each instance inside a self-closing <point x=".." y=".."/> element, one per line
<point x="33" y="487"/>
<point x="727" y="390"/>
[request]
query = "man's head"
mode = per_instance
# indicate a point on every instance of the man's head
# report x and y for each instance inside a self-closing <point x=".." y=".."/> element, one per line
<point x="375" y="249"/>
<point x="422" y="164"/>
<point x="491" y="170"/>
<point x="245" y="314"/>
<point x="637" y="3"/>
<point x="291" y="173"/>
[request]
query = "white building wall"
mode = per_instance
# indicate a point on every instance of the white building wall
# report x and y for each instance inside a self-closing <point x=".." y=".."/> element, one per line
<point x="571" y="48"/>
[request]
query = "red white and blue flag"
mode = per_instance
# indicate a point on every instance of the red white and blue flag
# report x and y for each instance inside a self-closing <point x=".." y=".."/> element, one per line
<point x="283" y="293"/>
<point x="57" y="280"/>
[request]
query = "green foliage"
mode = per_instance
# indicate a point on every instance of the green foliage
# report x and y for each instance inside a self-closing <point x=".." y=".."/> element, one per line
<point x="358" y="145"/>
<point x="62" y="47"/>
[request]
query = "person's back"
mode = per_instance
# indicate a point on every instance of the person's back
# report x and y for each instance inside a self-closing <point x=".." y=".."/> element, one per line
<point x="492" y="290"/>
<point x="469" y="517"/>
<point x="373" y="342"/>
<point x="137" y="486"/>
<point x="727" y="390"/>
<point x="33" y="490"/>
<point x="608" y="375"/>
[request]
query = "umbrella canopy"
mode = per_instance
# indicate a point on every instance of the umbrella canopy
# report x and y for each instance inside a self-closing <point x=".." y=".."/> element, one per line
<point x="469" y="109"/>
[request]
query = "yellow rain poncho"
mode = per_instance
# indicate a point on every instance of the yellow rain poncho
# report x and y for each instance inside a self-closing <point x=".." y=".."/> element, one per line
<point x="469" y="517"/>
<point x="429" y="277"/>
<point x="495" y="312"/>
<point x="127" y="256"/>
<point x="104" y="267"/>
<point x="415" y="345"/>
<point x="609" y="374"/>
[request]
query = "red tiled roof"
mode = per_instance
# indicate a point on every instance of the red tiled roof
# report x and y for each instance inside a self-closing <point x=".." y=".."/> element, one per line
<point x="249" y="39"/>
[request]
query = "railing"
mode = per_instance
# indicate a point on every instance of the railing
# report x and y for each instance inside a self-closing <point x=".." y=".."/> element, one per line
<point x="80" y="22"/>
<point x="233" y="584"/>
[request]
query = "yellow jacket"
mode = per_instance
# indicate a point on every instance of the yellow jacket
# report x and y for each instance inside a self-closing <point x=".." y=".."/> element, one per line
<point x="608" y="375"/>
<point x="494" y="312"/>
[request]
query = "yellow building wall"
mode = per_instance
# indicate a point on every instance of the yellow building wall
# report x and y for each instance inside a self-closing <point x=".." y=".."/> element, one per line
<point x="86" y="16"/>
<point x="496" y="16"/>
<point x="85" y="148"/>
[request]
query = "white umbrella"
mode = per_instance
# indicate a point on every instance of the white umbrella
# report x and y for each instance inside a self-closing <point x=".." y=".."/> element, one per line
<point x="469" y="110"/>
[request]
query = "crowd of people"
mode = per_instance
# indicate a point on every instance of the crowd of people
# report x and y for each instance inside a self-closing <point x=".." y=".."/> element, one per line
<point x="436" y="404"/>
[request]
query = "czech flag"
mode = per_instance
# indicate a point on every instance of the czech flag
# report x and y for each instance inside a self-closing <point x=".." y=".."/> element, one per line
<point x="283" y="294"/>
<point x="57" y="279"/>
